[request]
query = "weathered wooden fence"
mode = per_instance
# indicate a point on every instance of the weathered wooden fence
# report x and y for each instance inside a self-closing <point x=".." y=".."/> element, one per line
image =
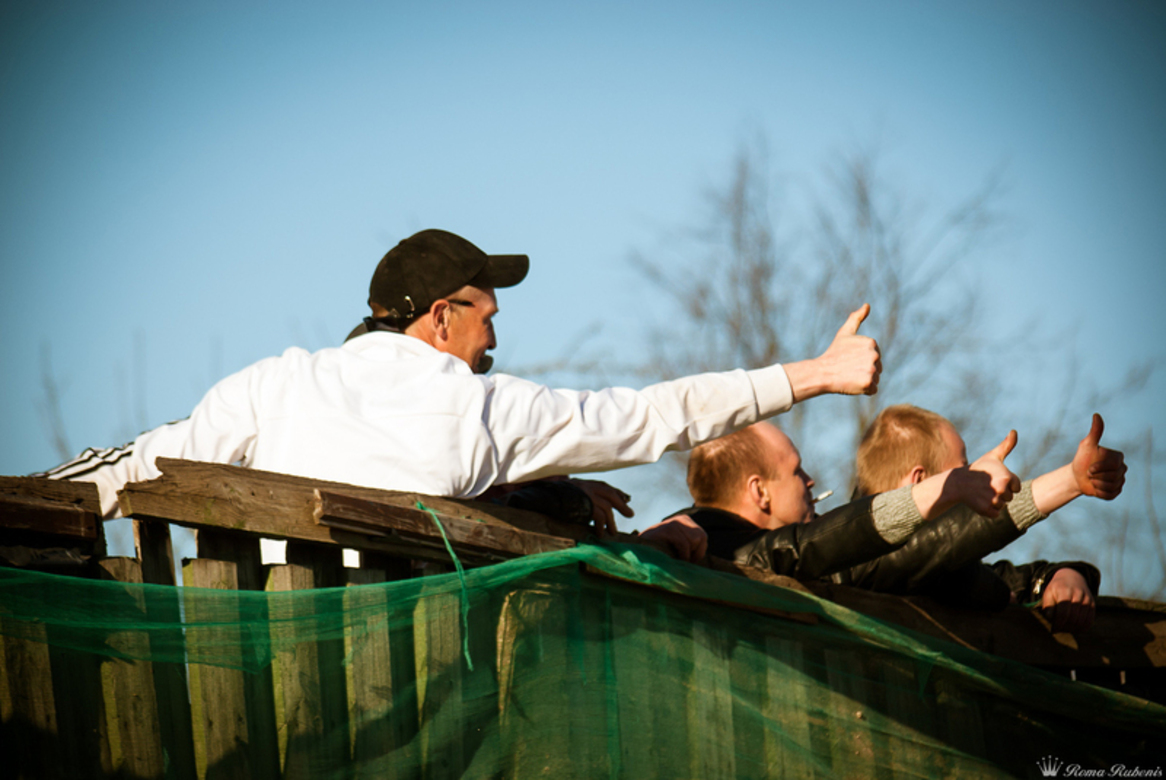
<point x="65" y="714"/>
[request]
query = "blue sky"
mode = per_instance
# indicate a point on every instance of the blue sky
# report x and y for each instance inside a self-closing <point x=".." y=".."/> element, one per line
<point x="186" y="188"/>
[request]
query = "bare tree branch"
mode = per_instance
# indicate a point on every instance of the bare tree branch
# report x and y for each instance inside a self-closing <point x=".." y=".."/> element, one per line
<point x="49" y="404"/>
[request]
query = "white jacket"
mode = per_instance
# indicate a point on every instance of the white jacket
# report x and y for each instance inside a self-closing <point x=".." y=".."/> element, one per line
<point x="389" y="411"/>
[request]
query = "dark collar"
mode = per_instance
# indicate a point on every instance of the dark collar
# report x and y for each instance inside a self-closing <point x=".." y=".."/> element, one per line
<point x="369" y="324"/>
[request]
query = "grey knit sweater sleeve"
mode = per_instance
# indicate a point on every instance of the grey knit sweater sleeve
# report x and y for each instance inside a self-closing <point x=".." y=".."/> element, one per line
<point x="895" y="515"/>
<point x="1022" y="508"/>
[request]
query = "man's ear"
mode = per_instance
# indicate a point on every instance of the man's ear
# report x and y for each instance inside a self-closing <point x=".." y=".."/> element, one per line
<point x="440" y="311"/>
<point x="758" y="495"/>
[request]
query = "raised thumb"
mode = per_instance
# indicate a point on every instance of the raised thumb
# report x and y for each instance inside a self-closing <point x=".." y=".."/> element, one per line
<point x="1097" y="429"/>
<point x="850" y="327"/>
<point x="1003" y="448"/>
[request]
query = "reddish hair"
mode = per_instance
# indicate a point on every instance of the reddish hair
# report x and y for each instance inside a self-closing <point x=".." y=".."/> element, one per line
<point x="900" y="438"/>
<point x="717" y="469"/>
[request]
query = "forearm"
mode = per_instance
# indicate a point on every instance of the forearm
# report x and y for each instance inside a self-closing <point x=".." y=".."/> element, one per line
<point x="807" y="379"/>
<point x="1053" y="490"/>
<point x="935" y="495"/>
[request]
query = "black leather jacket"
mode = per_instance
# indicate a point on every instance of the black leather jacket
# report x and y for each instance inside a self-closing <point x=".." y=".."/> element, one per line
<point x="941" y="559"/>
<point x="833" y="542"/>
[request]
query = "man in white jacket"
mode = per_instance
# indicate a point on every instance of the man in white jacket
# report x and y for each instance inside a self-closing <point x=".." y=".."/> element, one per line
<point x="401" y="407"/>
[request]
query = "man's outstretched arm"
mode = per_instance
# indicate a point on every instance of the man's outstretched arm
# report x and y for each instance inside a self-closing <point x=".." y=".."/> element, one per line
<point x="550" y="432"/>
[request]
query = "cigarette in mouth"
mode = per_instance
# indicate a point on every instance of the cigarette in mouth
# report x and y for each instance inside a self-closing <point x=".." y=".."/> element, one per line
<point x="823" y="496"/>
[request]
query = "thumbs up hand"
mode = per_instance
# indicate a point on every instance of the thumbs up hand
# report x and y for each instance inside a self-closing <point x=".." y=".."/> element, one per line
<point x="989" y="485"/>
<point x="1098" y="471"/>
<point x="850" y="365"/>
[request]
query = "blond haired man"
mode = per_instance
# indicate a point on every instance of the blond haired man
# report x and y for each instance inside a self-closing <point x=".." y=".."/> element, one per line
<point x="906" y="445"/>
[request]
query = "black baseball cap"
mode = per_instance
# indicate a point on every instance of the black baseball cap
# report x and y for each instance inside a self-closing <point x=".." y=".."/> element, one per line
<point x="432" y="264"/>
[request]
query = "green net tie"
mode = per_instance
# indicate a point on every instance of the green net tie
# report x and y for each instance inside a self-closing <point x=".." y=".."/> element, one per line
<point x="461" y="573"/>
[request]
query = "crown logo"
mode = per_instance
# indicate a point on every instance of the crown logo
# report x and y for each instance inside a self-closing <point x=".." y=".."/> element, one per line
<point x="1049" y="766"/>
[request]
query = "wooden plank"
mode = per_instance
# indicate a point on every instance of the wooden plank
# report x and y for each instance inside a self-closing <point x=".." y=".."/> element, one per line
<point x="29" y="513"/>
<point x="363" y="516"/>
<point x="710" y="704"/>
<point x="552" y="678"/>
<point x="959" y="722"/>
<point x="1127" y="634"/>
<point x="748" y="657"/>
<point x="440" y="670"/>
<point x="51" y="709"/>
<point x="637" y="700"/>
<point x="652" y="669"/>
<point x="786" y="712"/>
<point x="84" y="738"/>
<point x="244" y="551"/>
<point x="281" y="506"/>
<point x="756" y="574"/>
<point x="131" y="703"/>
<point x="312" y="714"/>
<point x="809" y="618"/>
<point x="382" y="700"/>
<point x="80" y="494"/>
<point x="915" y="746"/>
<point x="393" y="567"/>
<point x="152" y="540"/>
<point x="525" y="697"/>
<point x="28" y="716"/>
<point x="854" y="743"/>
<point x="25" y="495"/>
<point x="233" y="725"/>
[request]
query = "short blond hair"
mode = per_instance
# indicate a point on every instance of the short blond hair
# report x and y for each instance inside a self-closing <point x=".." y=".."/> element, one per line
<point x="900" y="438"/>
<point x="717" y="469"/>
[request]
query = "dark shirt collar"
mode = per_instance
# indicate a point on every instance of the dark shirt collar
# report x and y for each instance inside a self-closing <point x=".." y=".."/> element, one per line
<point x="727" y="531"/>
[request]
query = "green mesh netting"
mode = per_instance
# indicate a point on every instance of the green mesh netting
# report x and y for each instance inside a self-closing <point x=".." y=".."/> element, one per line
<point x="574" y="674"/>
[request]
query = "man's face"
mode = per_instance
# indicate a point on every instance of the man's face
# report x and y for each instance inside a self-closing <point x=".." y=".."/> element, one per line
<point x="789" y="490"/>
<point x="955" y="451"/>
<point x="471" y="329"/>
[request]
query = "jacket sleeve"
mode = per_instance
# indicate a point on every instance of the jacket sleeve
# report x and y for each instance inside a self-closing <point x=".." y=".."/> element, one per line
<point x="945" y="545"/>
<point x="941" y="558"/>
<point x="1029" y="580"/>
<point x="540" y="432"/>
<point x="557" y="499"/>
<point x="221" y="430"/>
<point x="837" y="540"/>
